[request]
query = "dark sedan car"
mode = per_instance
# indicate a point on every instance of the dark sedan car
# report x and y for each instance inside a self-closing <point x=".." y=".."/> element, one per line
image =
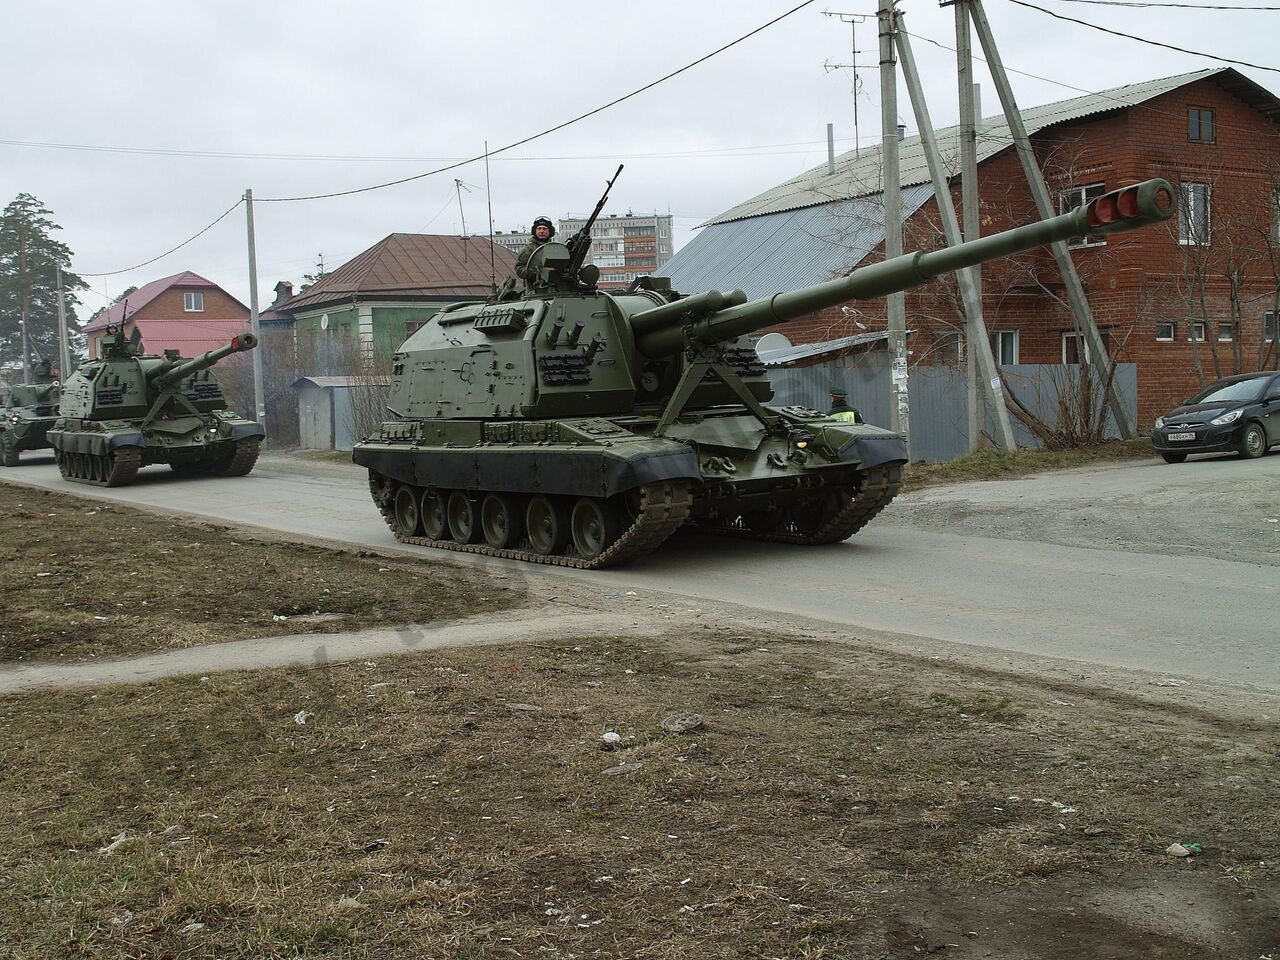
<point x="1239" y="413"/>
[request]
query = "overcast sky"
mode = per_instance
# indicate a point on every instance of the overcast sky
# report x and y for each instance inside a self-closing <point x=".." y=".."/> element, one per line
<point x="430" y="82"/>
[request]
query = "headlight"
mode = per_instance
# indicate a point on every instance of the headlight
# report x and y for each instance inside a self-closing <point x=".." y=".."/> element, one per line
<point x="1159" y="422"/>
<point x="1226" y="418"/>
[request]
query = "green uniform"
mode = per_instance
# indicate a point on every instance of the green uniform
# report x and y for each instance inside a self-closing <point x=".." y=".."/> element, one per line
<point x="522" y="261"/>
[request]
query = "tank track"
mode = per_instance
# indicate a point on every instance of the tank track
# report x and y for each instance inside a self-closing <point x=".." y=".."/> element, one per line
<point x="663" y="508"/>
<point x="243" y="459"/>
<point x="115" y="469"/>
<point x="877" y="490"/>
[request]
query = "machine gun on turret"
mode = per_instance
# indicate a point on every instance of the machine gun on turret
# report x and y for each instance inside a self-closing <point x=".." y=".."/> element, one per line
<point x="580" y="243"/>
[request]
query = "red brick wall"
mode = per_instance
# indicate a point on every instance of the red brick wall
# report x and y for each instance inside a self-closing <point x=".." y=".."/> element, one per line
<point x="218" y="305"/>
<point x="1133" y="281"/>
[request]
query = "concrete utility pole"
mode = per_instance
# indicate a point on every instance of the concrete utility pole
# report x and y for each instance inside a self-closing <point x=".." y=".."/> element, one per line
<point x="970" y="294"/>
<point x="969" y="119"/>
<point x="259" y="400"/>
<point x="64" y="349"/>
<point x="900" y="408"/>
<point x="1082" y="317"/>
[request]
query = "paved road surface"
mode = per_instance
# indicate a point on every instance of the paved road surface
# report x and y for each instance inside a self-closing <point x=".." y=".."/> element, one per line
<point x="1195" y="616"/>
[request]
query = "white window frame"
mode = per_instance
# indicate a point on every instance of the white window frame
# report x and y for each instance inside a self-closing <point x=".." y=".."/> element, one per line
<point x="1073" y="197"/>
<point x="1227" y="324"/>
<point x="1213" y="125"/>
<point x="1269" y="325"/>
<point x="193" y="301"/>
<point x="998" y="346"/>
<point x="1173" y="331"/>
<point x="1195" y="331"/>
<point x="1190" y="232"/>
<point x="1082" y="349"/>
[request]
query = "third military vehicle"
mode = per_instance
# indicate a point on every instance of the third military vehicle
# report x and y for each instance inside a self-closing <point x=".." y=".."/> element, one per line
<point x="570" y="425"/>
<point x="27" y="411"/>
<point x="126" y="410"/>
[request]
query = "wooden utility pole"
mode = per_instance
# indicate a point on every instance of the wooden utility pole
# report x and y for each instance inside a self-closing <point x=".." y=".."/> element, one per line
<point x="891" y="181"/>
<point x="970" y="293"/>
<point x="64" y="348"/>
<point x="259" y="400"/>
<point x="1081" y="315"/>
<point x="969" y="202"/>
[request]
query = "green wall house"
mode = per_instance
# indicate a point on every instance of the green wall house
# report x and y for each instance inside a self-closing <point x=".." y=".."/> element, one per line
<point x="353" y="319"/>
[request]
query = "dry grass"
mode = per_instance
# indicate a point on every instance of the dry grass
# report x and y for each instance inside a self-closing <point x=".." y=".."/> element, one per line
<point x="456" y="805"/>
<point x="999" y="465"/>
<point x="86" y="578"/>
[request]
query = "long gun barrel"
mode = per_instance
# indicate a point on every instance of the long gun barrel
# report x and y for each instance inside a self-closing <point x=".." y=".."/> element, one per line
<point x="582" y="239"/>
<point x="173" y="374"/>
<point x="666" y="329"/>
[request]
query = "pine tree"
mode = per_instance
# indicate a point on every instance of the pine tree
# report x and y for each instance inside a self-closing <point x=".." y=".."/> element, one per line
<point x="29" y="258"/>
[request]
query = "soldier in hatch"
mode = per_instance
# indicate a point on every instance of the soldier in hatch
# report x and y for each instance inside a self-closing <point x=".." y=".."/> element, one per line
<point x="543" y="230"/>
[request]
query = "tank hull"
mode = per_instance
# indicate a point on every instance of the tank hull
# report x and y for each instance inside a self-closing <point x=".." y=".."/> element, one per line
<point x="110" y="453"/>
<point x="716" y="471"/>
<point x="19" y="433"/>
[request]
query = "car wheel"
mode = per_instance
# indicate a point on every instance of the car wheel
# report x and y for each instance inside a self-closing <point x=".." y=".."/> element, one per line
<point x="1173" y="457"/>
<point x="1253" y="441"/>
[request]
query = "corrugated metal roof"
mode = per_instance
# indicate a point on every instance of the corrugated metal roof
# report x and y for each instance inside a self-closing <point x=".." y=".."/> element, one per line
<point x="860" y="176"/>
<point x="145" y="294"/>
<point x="782" y="251"/>
<point x="409" y="265"/>
<point x="780" y="358"/>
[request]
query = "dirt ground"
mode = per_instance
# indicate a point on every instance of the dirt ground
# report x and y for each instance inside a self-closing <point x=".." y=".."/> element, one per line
<point x="460" y="804"/>
<point x="85" y="578"/>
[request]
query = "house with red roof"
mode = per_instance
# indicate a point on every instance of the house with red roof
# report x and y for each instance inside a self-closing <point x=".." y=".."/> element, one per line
<point x="184" y="312"/>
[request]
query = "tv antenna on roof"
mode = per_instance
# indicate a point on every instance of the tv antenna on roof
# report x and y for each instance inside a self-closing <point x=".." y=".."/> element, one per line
<point x="852" y="19"/>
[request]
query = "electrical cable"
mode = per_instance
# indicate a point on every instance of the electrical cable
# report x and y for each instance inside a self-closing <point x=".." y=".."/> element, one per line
<point x="145" y="263"/>
<point x="1154" y="43"/>
<point x="1179" y="6"/>
<point x="549" y="130"/>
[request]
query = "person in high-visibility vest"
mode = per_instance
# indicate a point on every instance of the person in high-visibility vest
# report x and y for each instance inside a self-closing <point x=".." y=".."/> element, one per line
<point x="840" y="409"/>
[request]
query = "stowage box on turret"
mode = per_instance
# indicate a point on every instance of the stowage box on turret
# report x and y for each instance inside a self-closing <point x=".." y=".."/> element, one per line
<point x="569" y="425"/>
<point x="27" y="411"/>
<point x="127" y="410"/>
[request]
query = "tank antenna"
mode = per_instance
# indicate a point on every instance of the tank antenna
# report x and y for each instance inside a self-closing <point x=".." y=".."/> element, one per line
<point x="488" y="195"/>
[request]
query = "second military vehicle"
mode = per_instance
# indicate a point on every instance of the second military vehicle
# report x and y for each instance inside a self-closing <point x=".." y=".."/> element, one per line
<point x="27" y="411"/>
<point x="569" y="425"/>
<point x="126" y="410"/>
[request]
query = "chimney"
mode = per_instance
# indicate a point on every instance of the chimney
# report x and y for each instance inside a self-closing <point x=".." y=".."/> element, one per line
<point x="902" y="132"/>
<point x="831" y="149"/>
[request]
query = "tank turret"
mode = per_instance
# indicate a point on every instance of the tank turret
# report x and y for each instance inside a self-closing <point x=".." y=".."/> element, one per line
<point x="578" y="426"/>
<point x="129" y="409"/>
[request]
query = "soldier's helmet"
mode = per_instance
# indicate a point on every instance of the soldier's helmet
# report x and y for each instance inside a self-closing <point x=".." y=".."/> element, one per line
<point x="545" y="221"/>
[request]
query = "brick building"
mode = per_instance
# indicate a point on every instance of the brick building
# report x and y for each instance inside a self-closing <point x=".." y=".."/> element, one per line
<point x="1200" y="290"/>
<point x="184" y="312"/>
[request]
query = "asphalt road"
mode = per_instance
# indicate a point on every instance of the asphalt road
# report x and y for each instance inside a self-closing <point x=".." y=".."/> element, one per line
<point x="914" y="571"/>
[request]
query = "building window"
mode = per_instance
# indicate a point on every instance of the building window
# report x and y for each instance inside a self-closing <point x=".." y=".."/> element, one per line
<point x="1165" y="332"/>
<point x="1224" y="333"/>
<point x="1004" y="345"/>
<point x="1269" y="326"/>
<point x="1275" y="216"/>
<point x="662" y="233"/>
<point x="1193" y="214"/>
<point x="1195" y="332"/>
<point x="413" y="326"/>
<point x="1200" y="125"/>
<point x="193" y="302"/>
<point x="1073" y="348"/>
<point x="948" y="346"/>
<point x="1073" y="197"/>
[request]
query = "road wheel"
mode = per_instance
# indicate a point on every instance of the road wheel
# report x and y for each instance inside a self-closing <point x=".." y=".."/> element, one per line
<point x="595" y="525"/>
<point x="501" y="521"/>
<point x="814" y="513"/>
<point x="462" y="518"/>
<point x="547" y="525"/>
<point x="1253" y="441"/>
<point x="408" y="516"/>
<point x="1173" y="457"/>
<point x="8" y="450"/>
<point x="435" y="515"/>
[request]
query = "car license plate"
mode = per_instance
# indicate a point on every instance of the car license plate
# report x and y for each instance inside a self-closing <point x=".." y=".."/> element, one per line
<point x="1182" y="436"/>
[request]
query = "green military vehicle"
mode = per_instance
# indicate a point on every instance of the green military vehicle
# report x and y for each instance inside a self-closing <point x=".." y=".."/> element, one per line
<point x="568" y="425"/>
<point x="126" y="410"/>
<point x="27" y="411"/>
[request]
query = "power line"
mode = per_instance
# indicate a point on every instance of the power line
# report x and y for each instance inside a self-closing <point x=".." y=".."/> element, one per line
<point x="550" y="130"/>
<point x="145" y="263"/>
<point x="1179" y="6"/>
<point x="1154" y="43"/>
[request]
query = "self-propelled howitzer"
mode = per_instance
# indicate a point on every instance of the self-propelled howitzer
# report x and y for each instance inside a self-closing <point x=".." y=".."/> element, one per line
<point x="126" y="410"/>
<point x="581" y="427"/>
<point x="27" y="411"/>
